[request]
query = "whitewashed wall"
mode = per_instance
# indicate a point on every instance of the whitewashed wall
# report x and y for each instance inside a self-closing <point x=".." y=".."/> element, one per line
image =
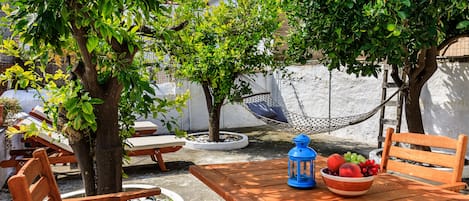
<point x="444" y="101"/>
<point x="349" y="96"/>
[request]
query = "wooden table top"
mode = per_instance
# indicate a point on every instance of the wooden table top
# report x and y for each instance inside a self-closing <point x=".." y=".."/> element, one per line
<point x="267" y="180"/>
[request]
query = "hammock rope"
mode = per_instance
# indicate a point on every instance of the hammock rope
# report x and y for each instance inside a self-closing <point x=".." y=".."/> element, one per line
<point x="269" y="111"/>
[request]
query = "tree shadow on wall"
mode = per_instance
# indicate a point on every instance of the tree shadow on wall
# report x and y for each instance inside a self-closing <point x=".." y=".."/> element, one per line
<point x="445" y="108"/>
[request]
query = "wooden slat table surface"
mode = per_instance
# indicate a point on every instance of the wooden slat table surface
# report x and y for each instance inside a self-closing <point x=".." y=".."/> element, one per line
<point x="267" y="181"/>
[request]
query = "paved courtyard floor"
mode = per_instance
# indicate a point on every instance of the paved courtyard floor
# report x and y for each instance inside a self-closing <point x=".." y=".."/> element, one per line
<point x="264" y="143"/>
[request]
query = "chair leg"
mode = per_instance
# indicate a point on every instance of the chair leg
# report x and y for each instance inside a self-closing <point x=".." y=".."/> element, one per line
<point x="159" y="160"/>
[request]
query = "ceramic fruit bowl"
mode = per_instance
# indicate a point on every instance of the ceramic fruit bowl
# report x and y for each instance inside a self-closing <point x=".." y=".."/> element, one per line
<point x="346" y="186"/>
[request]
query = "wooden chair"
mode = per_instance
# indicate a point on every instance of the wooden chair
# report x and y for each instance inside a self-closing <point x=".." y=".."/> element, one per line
<point x="35" y="181"/>
<point x="397" y="158"/>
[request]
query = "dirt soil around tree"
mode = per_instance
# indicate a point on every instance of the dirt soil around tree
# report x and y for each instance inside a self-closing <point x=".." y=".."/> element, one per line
<point x="264" y="143"/>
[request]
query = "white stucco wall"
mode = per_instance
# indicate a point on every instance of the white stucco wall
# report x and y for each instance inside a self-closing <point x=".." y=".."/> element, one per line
<point x="444" y="101"/>
<point x="349" y="96"/>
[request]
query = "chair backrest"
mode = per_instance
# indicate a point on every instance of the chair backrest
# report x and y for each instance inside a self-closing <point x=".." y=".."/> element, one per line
<point x="35" y="180"/>
<point x="396" y="158"/>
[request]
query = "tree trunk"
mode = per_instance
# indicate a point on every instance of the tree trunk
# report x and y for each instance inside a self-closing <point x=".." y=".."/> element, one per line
<point x="412" y="110"/>
<point x="214" y="123"/>
<point x="214" y="110"/>
<point x="84" y="155"/>
<point x="418" y="76"/>
<point x="108" y="148"/>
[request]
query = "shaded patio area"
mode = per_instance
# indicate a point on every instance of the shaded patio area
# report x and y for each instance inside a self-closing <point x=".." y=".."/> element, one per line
<point x="264" y="143"/>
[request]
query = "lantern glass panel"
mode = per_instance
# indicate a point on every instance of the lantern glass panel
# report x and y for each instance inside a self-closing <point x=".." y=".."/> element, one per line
<point x="293" y="170"/>
<point x="305" y="170"/>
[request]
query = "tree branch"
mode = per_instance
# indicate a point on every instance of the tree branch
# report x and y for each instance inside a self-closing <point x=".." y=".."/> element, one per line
<point x="451" y="40"/>
<point x="430" y="63"/>
<point x="395" y="75"/>
<point x="208" y="96"/>
<point x="416" y="70"/>
<point x="87" y="72"/>
<point x="150" y="32"/>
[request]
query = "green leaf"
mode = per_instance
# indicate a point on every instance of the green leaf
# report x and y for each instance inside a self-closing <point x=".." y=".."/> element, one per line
<point x="94" y="127"/>
<point x="402" y="14"/>
<point x="92" y="43"/>
<point x="77" y="124"/>
<point x="131" y="47"/>
<point x="70" y="103"/>
<point x="72" y="113"/>
<point x="406" y="2"/>
<point x="134" y="29"/>
<point x="118" y="36"/>
<point x="463" y="24"/>
<point x="96" y="101"/>
<point x="89" y="118"/>
<point x="87" y="108"/>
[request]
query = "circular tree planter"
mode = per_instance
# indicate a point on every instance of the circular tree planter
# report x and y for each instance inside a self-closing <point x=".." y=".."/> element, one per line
<point x="375" y="154"/>
<point x="230" y="141"/>
<point x="166" y="195"/>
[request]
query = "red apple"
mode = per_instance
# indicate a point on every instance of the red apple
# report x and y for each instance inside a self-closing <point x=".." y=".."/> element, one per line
<point x="350" y="170"/>
<point x="334" y="161"/>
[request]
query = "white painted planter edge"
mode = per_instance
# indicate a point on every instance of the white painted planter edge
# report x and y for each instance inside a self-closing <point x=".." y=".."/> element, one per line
<point x="218" y="145"/>
<point x="374" y="155"/>
<point x="172" y="195"/>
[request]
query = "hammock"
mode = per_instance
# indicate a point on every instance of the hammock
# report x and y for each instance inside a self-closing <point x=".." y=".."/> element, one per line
<point x="266" y="109"/>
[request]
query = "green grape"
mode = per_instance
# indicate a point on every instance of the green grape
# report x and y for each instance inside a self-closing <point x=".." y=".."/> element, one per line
<point x="354" y="157"/>
<point x="361" y="158"/>
<point x="347" y="156"/>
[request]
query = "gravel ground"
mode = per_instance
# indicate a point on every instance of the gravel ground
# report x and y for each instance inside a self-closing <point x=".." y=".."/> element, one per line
<point x="264" y="143"/>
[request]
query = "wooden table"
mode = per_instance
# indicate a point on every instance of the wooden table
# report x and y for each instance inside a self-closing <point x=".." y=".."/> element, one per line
<point x="267" y="180"/>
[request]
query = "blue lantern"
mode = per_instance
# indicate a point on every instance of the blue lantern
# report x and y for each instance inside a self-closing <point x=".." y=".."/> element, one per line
<point x="301" y="164"/>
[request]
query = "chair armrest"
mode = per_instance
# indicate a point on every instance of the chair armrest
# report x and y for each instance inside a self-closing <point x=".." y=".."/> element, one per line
<point x="454" y="187"/>
<point x="120" y="196"/>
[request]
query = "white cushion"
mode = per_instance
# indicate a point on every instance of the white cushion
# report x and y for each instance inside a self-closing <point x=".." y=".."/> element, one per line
<point x="153" y="142"/>
<point x="52" y="137"/>
<point x="145" y="125"/>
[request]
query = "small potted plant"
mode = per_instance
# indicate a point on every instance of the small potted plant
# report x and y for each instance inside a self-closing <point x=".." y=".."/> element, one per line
<point x="350" y="174"/>
<point x="8" y="108"/>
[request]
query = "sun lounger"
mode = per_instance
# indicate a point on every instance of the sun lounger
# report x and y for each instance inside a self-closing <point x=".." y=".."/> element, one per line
<point x="61" y="152"/>
<point x="142" y="128"/>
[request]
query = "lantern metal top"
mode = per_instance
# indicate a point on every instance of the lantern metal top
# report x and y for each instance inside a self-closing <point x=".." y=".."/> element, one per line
<point x="302" y="151"/>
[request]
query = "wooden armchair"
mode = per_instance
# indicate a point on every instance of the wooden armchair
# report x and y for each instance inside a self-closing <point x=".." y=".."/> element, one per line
<point x="397" y="158"/>
<point x="35" y="181"/>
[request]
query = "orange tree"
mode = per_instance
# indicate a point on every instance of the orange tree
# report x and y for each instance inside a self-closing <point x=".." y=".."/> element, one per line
<point x="220" y="44"/>
<point x="406" y="34"/>
<point x="100" y="44"/>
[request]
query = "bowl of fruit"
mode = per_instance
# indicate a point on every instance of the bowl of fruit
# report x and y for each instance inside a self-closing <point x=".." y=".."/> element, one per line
<point x="350" y="174"/>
